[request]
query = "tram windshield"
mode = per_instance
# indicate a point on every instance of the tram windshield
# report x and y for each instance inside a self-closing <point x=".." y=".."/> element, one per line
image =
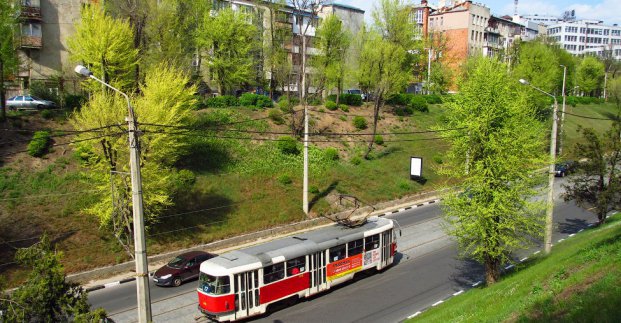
<point x="214" y="285"/>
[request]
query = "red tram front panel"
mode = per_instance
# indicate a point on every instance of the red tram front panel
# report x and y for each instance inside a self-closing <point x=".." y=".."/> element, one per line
<point x="216" y="305"/>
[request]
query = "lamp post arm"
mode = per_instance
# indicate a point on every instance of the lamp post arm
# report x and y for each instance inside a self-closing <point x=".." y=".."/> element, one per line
<point x="129" y="106"/>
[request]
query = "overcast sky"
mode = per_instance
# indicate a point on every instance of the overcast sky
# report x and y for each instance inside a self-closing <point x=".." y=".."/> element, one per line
<point x="607" y="10"/>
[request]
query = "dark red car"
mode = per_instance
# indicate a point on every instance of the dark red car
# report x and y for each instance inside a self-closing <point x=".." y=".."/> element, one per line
<point x="184" y="267"/>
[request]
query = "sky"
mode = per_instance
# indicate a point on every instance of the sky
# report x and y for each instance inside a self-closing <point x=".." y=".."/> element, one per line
<point x="607" y="10"/>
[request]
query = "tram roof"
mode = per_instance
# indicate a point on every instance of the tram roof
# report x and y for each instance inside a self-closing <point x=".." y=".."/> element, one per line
<point x="293" y="246"/>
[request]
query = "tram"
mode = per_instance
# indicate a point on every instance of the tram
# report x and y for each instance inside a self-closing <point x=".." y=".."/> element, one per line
<point x="243" y="283"/>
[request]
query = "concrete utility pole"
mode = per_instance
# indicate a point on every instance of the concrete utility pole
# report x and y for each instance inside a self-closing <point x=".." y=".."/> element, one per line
<point x="550" y="203"/>
<point x="142" y="272"/>
<point x="429" y="50"/>
<point x="560" y="148"/>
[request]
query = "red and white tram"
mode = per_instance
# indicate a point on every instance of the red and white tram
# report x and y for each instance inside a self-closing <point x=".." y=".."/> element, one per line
<point x="242" y="283"/>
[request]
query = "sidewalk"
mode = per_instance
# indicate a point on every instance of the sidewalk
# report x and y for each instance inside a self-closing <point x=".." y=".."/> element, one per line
<point x="118" y="274"/>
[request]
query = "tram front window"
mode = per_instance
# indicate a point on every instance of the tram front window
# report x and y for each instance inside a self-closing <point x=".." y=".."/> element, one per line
<point x="214" y="285"/>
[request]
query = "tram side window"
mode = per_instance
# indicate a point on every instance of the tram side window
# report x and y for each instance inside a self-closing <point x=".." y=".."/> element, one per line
<point x="371" y="242"/>
<point x="296" y="266"/>
<point x="214" y="285"/>
<point x="354" y="247"/>
<point x="273" y="273"/>
<point x="337" y="253"/>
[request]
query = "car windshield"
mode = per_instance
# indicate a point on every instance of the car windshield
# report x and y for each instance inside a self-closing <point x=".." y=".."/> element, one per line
<point x="214" y="285"/>
<point x="559" y="166"/>
<point x="176" y="263"/>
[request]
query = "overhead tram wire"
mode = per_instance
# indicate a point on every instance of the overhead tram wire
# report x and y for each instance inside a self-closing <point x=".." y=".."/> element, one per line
<point x="69" y="143"/>
<point x="58" y="133"/>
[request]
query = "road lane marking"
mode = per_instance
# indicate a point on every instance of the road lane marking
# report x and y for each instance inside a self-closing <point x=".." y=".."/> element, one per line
<point x="455" y="294"/>
<point x="509" y="267"/>
<point x="476" y="284"/>
<point x="580" y="230"/>
<point x="437" y="303"/>
<point x="111" y="284"/>
<point x="573" y="234"/>
<point x="388" y="213"/>
<point x="561" y="240"/>
<point x="536" y="252"/>
<point x="523" y="259"/>
<point x="401" y="210"/>
<point x="415" y="314"/>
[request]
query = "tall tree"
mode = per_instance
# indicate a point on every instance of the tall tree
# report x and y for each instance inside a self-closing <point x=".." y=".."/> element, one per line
<point x="277" y="34"/>
<point x="329" y="65"/>
<point x="8" y="54"/>
<point x="105" y="45"/>
<point x="496" y="147"/>
<point x="385" y="60"/>
<point x="46" y="296"/>
<point x="230" y="40"/>
<point x="164" y="98"/>
<point x="590" y="75"/>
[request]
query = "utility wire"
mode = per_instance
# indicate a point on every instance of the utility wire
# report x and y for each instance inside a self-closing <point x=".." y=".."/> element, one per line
<point x="587" y="117"/>
<point x="47" y="195"/>
<point x="68" y="143"/>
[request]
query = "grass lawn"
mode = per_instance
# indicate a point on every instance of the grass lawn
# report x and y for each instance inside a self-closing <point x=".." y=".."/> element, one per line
<point x="572" y="123"/>
<point x="580" y="281"/>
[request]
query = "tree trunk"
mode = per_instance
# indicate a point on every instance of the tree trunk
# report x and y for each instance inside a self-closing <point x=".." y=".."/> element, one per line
<point x="2" y="91"/>
<point x="379" y="103"/>
<point x="492" y="270"/>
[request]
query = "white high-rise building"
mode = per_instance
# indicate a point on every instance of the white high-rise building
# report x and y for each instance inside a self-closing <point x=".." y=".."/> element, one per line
<point x="587" y="37"/>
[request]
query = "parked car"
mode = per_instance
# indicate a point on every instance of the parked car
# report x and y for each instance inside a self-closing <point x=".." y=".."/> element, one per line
<point x="24" y="102"/>
<point x="564" y="168"/>
<point x="184" y="267"/>
<point x="357" y="91"/>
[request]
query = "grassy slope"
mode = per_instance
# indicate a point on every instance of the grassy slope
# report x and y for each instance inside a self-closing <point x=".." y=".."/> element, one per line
<point x="243" y="196"/>
<point x="572" y="123"/>
<point x="579" y="282"/>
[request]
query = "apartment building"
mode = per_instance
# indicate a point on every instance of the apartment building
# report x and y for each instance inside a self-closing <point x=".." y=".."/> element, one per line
<point x="587" y="37"/>
<point x="352" y="17"/>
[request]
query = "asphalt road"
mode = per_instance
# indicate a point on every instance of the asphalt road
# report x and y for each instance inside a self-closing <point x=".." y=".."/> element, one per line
<point x="427" y="271"/>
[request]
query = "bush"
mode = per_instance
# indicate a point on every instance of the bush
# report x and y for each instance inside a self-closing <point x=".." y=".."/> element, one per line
<point x="185" y="179"/>
<point x="343" y="118"/>
<point x="400" y="99"/>
<point x="433" y="99"/>
<point x="314" y="101"/>
<point x="276" y="117"/>
<point x="284" y="179"/>
<point x="47" y="114"/>
<point x="264" y="102"/>
<point x="437" y="159"/>
<point x="222" y="101"/>
<point x="331" y="105"/>
<point x="346" y="98"/>
<point x="379" y="139"/>
<point x="331" y="153"/>
<point x="344" y="107"/>
<point x="74" y="101"/>
<point x="313" y="190"/>
<point x="360" y="122"/>
<point x="288" y="145"/>
<point x="39" y="144"/>
<point x="418" y="103"/>
<point x="403" y="111"/>
<point x="42" y="91"/>
<point x="356" y="160"/>
<point x="570" y="100"/>
<point x="248" y="99"/>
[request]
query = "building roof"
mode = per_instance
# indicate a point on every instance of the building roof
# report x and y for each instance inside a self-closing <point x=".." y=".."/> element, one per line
<point x="344" y="6"/>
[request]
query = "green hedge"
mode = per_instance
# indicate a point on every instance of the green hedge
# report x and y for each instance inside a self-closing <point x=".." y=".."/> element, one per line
<point x="346" y="98"/>
<point x="39" y="144"/>
<point x="221" y="101"/>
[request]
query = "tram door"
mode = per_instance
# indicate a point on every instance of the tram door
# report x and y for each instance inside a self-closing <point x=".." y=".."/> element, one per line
<point x="386" y="246"/>
<point x="246" y="294"/>
<point x="318" y="272"/>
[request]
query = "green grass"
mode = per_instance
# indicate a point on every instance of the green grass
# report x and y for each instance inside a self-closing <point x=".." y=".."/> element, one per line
<point x="571" y="136"/>
<point x="580" y="281"/>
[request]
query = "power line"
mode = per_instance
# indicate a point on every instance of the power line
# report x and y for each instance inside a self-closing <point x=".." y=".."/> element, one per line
<point x="61" y="133"/>
<point x="47" y="195"/>
<point x="587" y="117"/>
<point x="68" y="143"/>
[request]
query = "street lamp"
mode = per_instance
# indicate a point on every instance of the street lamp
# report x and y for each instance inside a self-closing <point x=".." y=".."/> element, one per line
<point x="560" y="148"/>
<point x="140" y="251"/>
<point x="550" y="204"/>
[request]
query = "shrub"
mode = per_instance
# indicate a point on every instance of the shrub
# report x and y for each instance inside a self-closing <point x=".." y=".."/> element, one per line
<point x="403" y="111"/>
<point x="47" y="114"/>
<point x="356" y="160"/>
<point x="264" y="102"/>
<point x="346" y="98"/>
<point x="360" y="122"/>
<point x="343" y="118"/>
<point x="418" y="103"/>
<point x="570" y="100"/>
<point x="285" y="105"/>
<point x="433" y="99"/>
<point x="331" y="153"/>
<point x="288" y="145"/>
<point x="344" y="107"/>
<point x="185" y="179"/>
<point x="379" y="139"/>
<point x="74" y="101"/>
<point x="314" y="101"/>
<point x="400" y="99"/>
<point x="313" y="189"/>
<point x="39" y="144"/>
<point x="437" y="159"/>
<point x="331" y="105"/>
<point x="276" y="117"/>
<point x="284" y="179"/>
<point x="221" y="101"/>
<point x="247" y="99"/>
<point x="42" y="91"/>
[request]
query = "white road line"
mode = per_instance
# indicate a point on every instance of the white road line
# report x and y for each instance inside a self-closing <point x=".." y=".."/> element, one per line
<point x="401" y="210"/>
<point x="415" y="314"/>
<point x="561" y="240"/>
<point x="388" y="213"/>
<point x="523" y="259"/>
<point x="580" y="230"/>
<point x="457" y="293"/>
<point x="437" y="303"/>
<point x="591" y="224"/>
<point x="111" y="284"/>
<point x="536" y="252"/>
<point x="476" y="284"/>
<point x="509" y="267"/>
<point x="573" y="234"/>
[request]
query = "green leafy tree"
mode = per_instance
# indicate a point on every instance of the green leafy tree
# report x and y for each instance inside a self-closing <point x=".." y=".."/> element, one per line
<point x="105" y="45"/>
<point x="276" y="55"/>
<point x="590" y="75"/>
<point x="46" y="296"/>
<point x="230" y="39"/>
<point x="8" y="55"/>
<point x="333" y="42"/>
<point x="496" y="147"/>
<point x="164" y="98"/>
<point x="538" y="64"/>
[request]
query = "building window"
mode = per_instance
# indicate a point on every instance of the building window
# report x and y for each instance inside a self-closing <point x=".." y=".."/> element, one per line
<point x="31" y="29"/>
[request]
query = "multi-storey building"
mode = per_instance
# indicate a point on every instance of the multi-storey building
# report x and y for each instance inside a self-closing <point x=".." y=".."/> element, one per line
<point x="587" y="37"/>
<point x="352" y="17"/>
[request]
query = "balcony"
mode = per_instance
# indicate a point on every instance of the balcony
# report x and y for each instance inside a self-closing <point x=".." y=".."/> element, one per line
<point x="30" y="12"/>
<point x="31" y="42"/>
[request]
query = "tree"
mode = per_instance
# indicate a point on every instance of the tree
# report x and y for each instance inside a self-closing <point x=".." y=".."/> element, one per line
<point x="230" y="39"/>
<point x="46" y="296"/>
<point x="8" y="55"/>
<point x="277" y="35"/>
<point x="105" y="45"/>
<point x="332" y="42"/>
<point x="385" y="63"/>
<point x="499" y="142"/>
<point x="165" y="99"/>
<point x="590" y="75"/>
<point x="597" y="180"/>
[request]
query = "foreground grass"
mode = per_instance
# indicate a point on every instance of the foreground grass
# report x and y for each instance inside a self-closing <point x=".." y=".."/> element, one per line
<point x="576" y="119"/>
<point x="579" y="282"/>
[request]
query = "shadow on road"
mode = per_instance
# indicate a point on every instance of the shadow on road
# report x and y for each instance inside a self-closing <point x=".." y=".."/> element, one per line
<point x="572" y="225"/>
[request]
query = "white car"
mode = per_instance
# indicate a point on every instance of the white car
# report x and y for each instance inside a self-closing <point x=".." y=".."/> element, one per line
<point x="25" y="102"/>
